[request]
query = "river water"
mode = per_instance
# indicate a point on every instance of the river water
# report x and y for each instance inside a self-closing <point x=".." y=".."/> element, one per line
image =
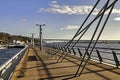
<point x="6" y="54"/>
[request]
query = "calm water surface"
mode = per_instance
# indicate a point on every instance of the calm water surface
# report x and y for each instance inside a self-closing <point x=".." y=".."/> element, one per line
<point x="6" y="54"/>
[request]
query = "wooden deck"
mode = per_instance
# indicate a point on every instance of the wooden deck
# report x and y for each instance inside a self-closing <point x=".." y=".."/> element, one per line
<point x="36" y="65"/>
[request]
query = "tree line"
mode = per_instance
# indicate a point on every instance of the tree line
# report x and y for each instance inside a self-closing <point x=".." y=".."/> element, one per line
<point x="7" y="38"/>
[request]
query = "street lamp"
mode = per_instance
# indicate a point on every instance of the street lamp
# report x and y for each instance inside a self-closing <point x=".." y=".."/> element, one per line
<point x="40" y="34"/>
<point x="32" y="40"/>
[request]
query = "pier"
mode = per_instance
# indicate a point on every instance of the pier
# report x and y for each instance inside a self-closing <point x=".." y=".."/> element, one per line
<point x="38" y="65"/>
<point x="87" y="55"/>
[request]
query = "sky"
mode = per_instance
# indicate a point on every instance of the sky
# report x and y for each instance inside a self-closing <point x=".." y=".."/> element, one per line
<point x="61" y="17"/>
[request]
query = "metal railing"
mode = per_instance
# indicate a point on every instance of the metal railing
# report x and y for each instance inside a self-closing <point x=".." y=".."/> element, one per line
<point x="7" y="69"/>
<point x="110" y="56"/>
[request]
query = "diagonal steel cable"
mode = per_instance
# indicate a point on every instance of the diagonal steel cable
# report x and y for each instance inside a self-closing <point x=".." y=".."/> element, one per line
<point x="97" y="39"/>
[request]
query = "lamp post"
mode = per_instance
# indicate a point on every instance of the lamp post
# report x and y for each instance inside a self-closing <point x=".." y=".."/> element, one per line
<point x="32" y="40"/>
<point x="40" y="34"/>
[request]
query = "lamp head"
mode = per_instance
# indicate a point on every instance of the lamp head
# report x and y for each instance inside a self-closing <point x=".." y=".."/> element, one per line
<point x="40" y="24"/>
<point x="37" y="24"/>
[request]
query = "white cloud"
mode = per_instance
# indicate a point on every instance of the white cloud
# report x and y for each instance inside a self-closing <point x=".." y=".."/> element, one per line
<point x="116" y="11"/>
<point x="70" y="27"/>
<point x="117" y="18"/>
<point x="75" y="10"/>
<point x="54" y="2"/>
<point x="78" y="10"/>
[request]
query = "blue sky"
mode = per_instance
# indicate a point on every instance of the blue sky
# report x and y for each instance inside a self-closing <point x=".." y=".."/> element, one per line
<point x="62" y="17"/>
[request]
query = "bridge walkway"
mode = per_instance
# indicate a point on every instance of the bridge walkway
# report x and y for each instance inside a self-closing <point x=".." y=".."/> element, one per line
<point x="37" y="65"/>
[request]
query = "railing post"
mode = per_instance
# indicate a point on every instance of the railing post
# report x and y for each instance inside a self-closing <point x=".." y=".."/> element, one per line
<point x="86" y="51"/>
<point x="58" y="48"/>
<point x="69" y="50"/>
<point x="62" y="48"/>
<point x="65" y="49"/>
<point x="116" y="59"/>
<point x="79" y="52"/>
<point x="74" y="51"/>
<point x="99" y="56"/>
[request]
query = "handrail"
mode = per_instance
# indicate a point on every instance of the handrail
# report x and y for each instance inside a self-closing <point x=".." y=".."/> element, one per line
<point x="10" y="60"/>
<point x="5" y="66"/>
